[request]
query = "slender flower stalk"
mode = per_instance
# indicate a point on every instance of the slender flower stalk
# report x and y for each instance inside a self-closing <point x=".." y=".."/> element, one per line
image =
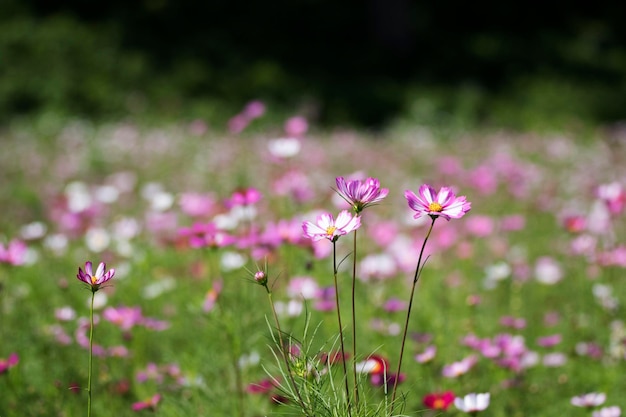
<point x="93" y="294"/>
<point x="94" y="282"/>
<point x="408" y="312"/>
<point x="343" y="351"/>
<point x="442" y="204"/>
<point x="261" y="278"/>
<point x="326" y="227"/>
<point x="354" y="358"/>
<point x="359" y="194"/>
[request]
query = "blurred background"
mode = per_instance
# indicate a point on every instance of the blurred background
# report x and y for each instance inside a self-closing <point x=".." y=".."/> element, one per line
<point x="366" y="63"/>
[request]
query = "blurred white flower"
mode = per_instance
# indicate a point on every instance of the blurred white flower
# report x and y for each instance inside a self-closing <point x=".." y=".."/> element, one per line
<point x="97" y="239"/>
<point x="548" y="271"/>
<point x="472" y="403"/>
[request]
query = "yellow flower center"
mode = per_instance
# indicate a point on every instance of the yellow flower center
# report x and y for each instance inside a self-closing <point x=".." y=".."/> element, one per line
<point x="439" y="404"/>
<point x="330" y="230"/>
<point x="436" y="207"/>
<point x="94" y="279"/>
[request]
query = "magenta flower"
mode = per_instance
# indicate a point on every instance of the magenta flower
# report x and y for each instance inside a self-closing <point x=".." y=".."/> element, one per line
<point x="438" y="400"/>
<point x="444" y="203"/>
<point x="95" y="280"/>
<point x="151" y="403"/>
<point x="8" y="363"/>
<point x="360" y="194"/>
<point x="327" y="227"/>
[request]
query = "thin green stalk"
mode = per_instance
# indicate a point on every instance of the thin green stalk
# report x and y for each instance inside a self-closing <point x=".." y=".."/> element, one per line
<point x="343" y="351"/>
<point x="284" y="352"/>
<point x="93" y="294"/>
<point x="408" y="315"/>
<point x="356" y="385"/>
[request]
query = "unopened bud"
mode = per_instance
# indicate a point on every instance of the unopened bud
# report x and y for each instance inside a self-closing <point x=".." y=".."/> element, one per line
<point x="260" y="277"/>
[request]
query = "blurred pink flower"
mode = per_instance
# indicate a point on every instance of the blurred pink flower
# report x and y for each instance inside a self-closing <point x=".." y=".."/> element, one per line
<point x="14" y="253"/>
<point x="614" y="196"/>
<point x="483" y="179"/>
<point x="456" y="369"/>
<point x="262" y="387"/>
<point x="592" y="399"/>
<point x="554" y="360"/>
<point x="326" y="227"/>
<point x="8" y="363"/>
<point x="95" y="280"/>
<point x="254" y="109"/>
<point x="151" y="403"/>
<point x="123" y="317"/>
<point x="427" y="355"/>
<point x="513" y="222"/>
<point x="237" y="123"/>
<point x="197" y="205"/>
<point x="244" y="197"/>
<point x="360" y="194"/>
<point x="479" y="226"/>
<point x="613" y="411"/>
<point x="574" y="223"/>
<point x="444" y="203"/>
<point x="513" y="322"/>
<point x="212" y="295"/>
<point x="303" y="287"/>
<point x="294" y="184"/>
<point x="549" y="341"/>
<point x="201" y="235"/>
<point x="296" y="126"/>
<point x="394" y="304"/>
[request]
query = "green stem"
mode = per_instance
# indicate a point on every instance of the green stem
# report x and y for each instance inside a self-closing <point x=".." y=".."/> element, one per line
<point x="285" y="354"/>
<point x="93" y="294"/>
<point x="356" y="386"/>
<point x="408" y="315"/>
<point x="343" y="351"/>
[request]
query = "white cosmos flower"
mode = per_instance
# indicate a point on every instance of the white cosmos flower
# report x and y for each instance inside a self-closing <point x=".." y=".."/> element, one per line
<point x="472" y="403"/>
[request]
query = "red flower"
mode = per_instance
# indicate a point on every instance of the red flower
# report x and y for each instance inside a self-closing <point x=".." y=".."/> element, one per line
<point x="439" y="400"/>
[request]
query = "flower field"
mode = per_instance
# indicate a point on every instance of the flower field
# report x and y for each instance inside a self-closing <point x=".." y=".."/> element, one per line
<point x="229" y="258"/>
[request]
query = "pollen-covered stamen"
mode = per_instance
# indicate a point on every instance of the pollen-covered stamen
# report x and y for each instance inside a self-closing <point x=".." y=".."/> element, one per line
<point x="439" y="404"/>
<point x="435" y="207"/>
<point x="94" y="280"/>
<point x="330" y="230"/>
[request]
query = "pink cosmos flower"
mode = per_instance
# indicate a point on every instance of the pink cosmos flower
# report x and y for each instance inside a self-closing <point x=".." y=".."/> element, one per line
<point x="327" y="227"/>
<point x="8" y="363"/>
<point x="444" y="203"/>
<point x="95" y="280"/>
<point x="151" y="403"/>
<point x="14" y="253"/>
<point x="360" y="194"/>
